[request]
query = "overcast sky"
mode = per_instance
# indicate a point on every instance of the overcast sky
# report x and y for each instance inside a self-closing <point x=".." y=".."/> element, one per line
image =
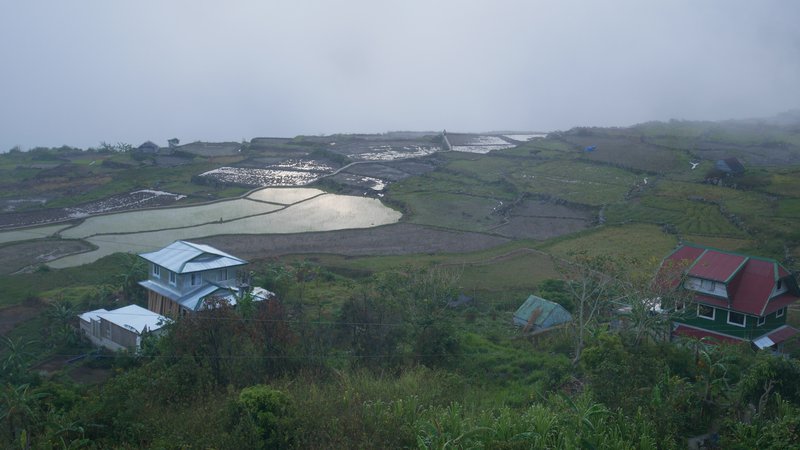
<point x="80" y="72"/>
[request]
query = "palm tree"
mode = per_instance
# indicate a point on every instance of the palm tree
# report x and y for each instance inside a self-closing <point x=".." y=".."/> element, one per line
<point x="19" y="409"/>
<point x="62" y="315"/>
<point x="13" y="367"/>
<point x="133" y="270"/>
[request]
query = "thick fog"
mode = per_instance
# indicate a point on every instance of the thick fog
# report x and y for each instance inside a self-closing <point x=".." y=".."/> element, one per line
<point x="81" y="72"/>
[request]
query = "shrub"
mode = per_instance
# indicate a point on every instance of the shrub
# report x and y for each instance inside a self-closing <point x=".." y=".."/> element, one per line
<point x="269" y="414"/>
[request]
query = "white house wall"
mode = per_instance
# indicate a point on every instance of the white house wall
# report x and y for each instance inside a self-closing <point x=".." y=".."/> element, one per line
<point x="695" y="284"/>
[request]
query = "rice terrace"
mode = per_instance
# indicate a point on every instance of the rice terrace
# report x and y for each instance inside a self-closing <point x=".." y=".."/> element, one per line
<point x="529" y="188"/>
<point x="332" y="222"/>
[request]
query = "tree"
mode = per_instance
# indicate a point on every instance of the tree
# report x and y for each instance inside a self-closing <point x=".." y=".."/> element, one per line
<point x="62" y="315"/>
<point x="592" y="282"/>
<point x="655" y="299"/>
<point x="134" y="269"/>
<point x="15" y="363"/>
<point x="20" y="410"/>
<point x="371" y="325"/>
<point x="433" y="336"/>
<point x="212" y="337"/>
<point x="269" y="413"/>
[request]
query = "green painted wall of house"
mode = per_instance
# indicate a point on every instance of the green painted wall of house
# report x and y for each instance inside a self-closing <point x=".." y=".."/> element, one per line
<point x="720" y="323"/>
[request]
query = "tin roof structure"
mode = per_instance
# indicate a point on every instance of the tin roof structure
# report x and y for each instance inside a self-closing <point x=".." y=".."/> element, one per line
<point x="775" y="337"/>
<point x="537" y="312"/>
<point x="131" y="317"/>
<point x="188" y="257"/>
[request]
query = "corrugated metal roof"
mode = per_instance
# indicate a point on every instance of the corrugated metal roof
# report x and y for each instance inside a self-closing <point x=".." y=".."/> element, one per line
<point x="779" y="302"/>
<point x="775" y="336"/>
<point x="546" y="313"/>
<point x="717" y="266"/>
<point x="187" y="257"/>
<point x="259" y="295"/>
<point x="160" y="289"/>
<point x="135" y="318"/>
<point x="783" y="333"/>
<point x="193" y="300"/>
<point x="754" y="286"/>
<point x="92" y="315"/>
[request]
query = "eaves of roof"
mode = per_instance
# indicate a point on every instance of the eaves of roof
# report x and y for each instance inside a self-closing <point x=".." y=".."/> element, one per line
<point x="699" y="333"/>
<point x="160" y="289"/>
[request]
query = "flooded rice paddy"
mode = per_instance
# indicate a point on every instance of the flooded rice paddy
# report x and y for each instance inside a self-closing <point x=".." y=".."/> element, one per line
<point x="30" y="233"/>
<point x="482" y="144"/>
<point x="160" y="219"/>
<point x="289" y="211"/>
<point x="392" y="153"/>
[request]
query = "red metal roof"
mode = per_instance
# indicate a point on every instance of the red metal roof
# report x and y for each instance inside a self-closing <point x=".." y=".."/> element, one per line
<point x="750" y="280"/>
<point x="686" y="331"/>
<point x="779" y="302"/>
<point x="687" y="253"/>
<point x="710" y="300"/>
<point x="675" y="264"/>
<point x="717" y="266"/>
<point x="783" y="333"/>
<point x="754" y="286"/>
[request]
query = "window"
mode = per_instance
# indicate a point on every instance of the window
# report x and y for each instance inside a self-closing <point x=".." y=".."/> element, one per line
<point x="196" y="279"/>
<point x="156" y="270"/>
<point x="705" y="311"/>
<point x="173" y="279"/>
<point x="707" y="285"/>
<point x="779" y="285"/>
<point x="737" y="319"/>
<point x="779" y="313"/>
<point x="762" y="320"/>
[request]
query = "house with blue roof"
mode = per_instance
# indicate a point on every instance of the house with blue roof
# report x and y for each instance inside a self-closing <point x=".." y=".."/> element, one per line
<point x="184" y="275"/>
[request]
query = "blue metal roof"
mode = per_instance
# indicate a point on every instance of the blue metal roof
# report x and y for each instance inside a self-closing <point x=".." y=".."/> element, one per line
<point x="160" y="289"/>
<point x="193" y="300"/>
<point x="187" y="257"/>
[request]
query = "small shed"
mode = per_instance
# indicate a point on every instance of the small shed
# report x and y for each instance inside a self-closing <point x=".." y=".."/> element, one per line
<point x="122" y="328"/>
<point x="729" y="165"/>
<point x="148" y="147"/>
<point x="537" y="313"/>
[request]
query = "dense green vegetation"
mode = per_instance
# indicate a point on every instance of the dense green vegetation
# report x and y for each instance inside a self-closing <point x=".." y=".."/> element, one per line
<point x="363" y="352"/>
<point x="381" y="362"/>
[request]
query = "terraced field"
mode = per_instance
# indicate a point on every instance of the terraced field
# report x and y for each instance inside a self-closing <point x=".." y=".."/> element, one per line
<point x="505" y="186"/>
<point x="644" y="243"/>
<point x="629" y="152"/>
<point x="575" y="181"/>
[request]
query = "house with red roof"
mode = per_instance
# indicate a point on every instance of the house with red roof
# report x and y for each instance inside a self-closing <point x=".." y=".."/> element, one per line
<point x="735" y="298"/>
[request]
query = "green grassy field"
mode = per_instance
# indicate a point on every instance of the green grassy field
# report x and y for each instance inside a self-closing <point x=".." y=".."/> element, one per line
<point x="574" y="181"/>
<point x="461" y="212"/>
<point x="629" y="152"/>
<point x="644" y="243"/>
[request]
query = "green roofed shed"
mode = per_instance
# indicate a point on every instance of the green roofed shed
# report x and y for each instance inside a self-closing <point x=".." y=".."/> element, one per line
<point x="537" y="313"/>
